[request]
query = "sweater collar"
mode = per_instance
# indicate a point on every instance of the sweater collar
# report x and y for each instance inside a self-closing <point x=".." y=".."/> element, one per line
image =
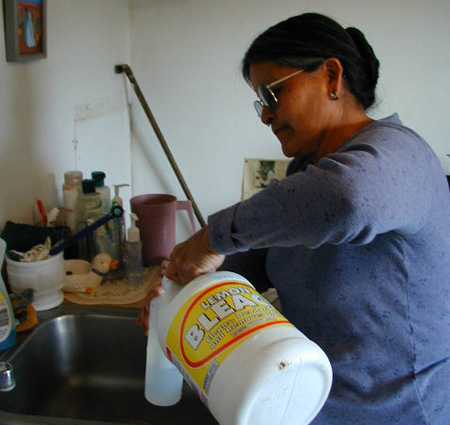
<point x="300" y="163"/>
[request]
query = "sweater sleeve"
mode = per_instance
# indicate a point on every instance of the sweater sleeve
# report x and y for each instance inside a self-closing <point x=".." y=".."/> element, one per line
<point x="377" y="184"/>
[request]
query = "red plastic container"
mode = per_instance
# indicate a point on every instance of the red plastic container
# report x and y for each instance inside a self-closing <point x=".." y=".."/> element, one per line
<point x="157" y="224"/>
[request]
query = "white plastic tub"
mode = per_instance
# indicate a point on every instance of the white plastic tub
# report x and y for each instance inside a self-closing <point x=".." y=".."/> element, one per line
<point x="45" y="277"/>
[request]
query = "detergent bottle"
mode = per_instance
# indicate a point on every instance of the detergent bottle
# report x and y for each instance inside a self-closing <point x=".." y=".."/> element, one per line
<point x="245" y="360"/>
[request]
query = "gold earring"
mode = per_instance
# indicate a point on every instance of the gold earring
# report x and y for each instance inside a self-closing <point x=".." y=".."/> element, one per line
<point x="334" y="96"/>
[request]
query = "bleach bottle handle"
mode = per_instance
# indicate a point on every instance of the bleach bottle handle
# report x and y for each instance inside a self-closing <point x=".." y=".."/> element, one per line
<point x="171" y="289"/>
<point x="163" y="381"/>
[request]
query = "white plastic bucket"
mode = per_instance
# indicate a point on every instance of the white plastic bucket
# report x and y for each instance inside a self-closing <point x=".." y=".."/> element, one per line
<point x="247" y="362"/>
<point x="45" y="277"/>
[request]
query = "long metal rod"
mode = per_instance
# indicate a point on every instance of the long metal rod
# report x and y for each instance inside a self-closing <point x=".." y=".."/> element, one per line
<point x="125" y="69"/>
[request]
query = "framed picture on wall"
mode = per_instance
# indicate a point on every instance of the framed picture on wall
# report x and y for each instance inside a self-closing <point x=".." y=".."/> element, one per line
<point x="259" y="173"/>
<point x="25" y="30"/>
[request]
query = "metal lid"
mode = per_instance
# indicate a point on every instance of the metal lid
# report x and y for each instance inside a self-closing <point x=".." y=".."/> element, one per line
<point x="88" y="186"/>
<point x="99" y="178"/>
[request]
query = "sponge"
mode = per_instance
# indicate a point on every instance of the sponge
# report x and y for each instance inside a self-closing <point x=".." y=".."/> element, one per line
<point x="24" y="311"/>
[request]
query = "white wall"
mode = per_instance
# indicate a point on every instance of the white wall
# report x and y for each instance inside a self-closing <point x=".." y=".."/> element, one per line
<point x="186" y="55"/>
<point x="38" y="100"/>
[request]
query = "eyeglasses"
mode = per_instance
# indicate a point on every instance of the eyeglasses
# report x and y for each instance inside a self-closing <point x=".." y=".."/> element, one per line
<point x="267" y="97"/>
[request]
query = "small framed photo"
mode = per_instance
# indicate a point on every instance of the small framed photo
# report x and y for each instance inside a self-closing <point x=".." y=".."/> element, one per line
<point x="25" y="30"/>
<point x="259" y="173"/>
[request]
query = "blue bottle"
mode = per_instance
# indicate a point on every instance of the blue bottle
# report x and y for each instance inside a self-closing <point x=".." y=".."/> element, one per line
<point x="7" y="320"/>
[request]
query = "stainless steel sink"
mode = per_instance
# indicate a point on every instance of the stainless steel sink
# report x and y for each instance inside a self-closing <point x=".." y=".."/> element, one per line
<point x="88" y="365"/>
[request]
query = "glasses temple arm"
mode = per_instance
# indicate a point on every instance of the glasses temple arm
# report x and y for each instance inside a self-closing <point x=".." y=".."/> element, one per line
<point x="284" y="78"/>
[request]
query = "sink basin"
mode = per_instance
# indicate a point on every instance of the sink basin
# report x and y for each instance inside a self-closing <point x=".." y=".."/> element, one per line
<point x="89" y="367"/>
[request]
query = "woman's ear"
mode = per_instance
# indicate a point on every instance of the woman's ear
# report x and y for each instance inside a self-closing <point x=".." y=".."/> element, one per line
<point x="335" y="77"/>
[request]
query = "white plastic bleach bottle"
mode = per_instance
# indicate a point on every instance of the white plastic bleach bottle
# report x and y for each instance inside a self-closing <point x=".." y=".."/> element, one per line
<point x="245" y="360"/>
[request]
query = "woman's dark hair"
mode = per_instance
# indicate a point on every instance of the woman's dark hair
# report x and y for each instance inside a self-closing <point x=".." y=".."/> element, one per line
<point x="312" y="35"/>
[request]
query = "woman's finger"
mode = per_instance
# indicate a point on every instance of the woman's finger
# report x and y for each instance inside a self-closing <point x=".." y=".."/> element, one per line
<point x="163" y="267"/>
<point x="173" y="276"/>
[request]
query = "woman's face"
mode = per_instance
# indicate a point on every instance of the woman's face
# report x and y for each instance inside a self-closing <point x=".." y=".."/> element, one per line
<point x="304" y="117"/>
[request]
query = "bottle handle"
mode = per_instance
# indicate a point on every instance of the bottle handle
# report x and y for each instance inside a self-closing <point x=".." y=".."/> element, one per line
<point x="163" y="381"/>
<point x="171" y="289"/>
<point x="187" y="206"/>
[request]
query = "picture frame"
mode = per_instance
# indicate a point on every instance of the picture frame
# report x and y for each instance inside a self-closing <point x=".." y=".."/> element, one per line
<point x="259" y="173"/>
<point x="25" y="29"/>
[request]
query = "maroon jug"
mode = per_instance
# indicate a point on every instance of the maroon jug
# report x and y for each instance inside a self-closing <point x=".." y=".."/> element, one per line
<point x="157" y="224"/>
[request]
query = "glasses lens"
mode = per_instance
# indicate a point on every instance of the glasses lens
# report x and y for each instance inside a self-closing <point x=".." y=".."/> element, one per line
<point x="258" y="107"/>
<point x="267" y="97"/>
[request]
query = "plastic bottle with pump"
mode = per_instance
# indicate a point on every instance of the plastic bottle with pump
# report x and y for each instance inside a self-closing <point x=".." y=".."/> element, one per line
<point x="133" y="254"/>
<point x="7" y="319"/>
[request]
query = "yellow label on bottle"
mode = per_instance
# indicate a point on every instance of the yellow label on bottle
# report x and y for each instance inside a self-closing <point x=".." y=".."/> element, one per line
<point x="5" y="320"/>
<point x="212" y="324"/>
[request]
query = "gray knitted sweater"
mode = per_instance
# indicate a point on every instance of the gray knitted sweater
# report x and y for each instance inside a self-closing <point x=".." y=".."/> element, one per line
<point x="358" y="247"/>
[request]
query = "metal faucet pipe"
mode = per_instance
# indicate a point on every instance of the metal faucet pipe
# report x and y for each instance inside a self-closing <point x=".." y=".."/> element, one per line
<point x="125" y="69"/>
<point x="7" y="380"/>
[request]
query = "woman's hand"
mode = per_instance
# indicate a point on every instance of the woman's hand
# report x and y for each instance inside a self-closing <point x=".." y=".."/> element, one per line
<point x="192" y="258"/>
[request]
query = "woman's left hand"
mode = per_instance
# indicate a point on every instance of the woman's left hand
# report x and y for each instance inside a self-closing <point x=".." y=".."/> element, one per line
<point x="193" y="258"/>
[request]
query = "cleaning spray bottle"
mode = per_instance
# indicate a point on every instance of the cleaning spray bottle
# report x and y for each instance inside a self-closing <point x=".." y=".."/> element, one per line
<point x="7" y="319"/>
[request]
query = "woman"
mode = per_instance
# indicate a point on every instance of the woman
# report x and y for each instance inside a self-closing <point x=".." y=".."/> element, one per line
<point x="356" y="239"/>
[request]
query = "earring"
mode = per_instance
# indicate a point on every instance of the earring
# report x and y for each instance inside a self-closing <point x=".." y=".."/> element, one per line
<point x="333" y="95"/>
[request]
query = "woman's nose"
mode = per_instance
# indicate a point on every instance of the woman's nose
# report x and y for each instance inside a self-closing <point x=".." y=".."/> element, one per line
<point x="266" y="115"/>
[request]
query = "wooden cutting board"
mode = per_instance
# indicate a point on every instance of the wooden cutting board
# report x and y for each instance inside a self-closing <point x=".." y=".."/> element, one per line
<point x="118" y="292"/>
